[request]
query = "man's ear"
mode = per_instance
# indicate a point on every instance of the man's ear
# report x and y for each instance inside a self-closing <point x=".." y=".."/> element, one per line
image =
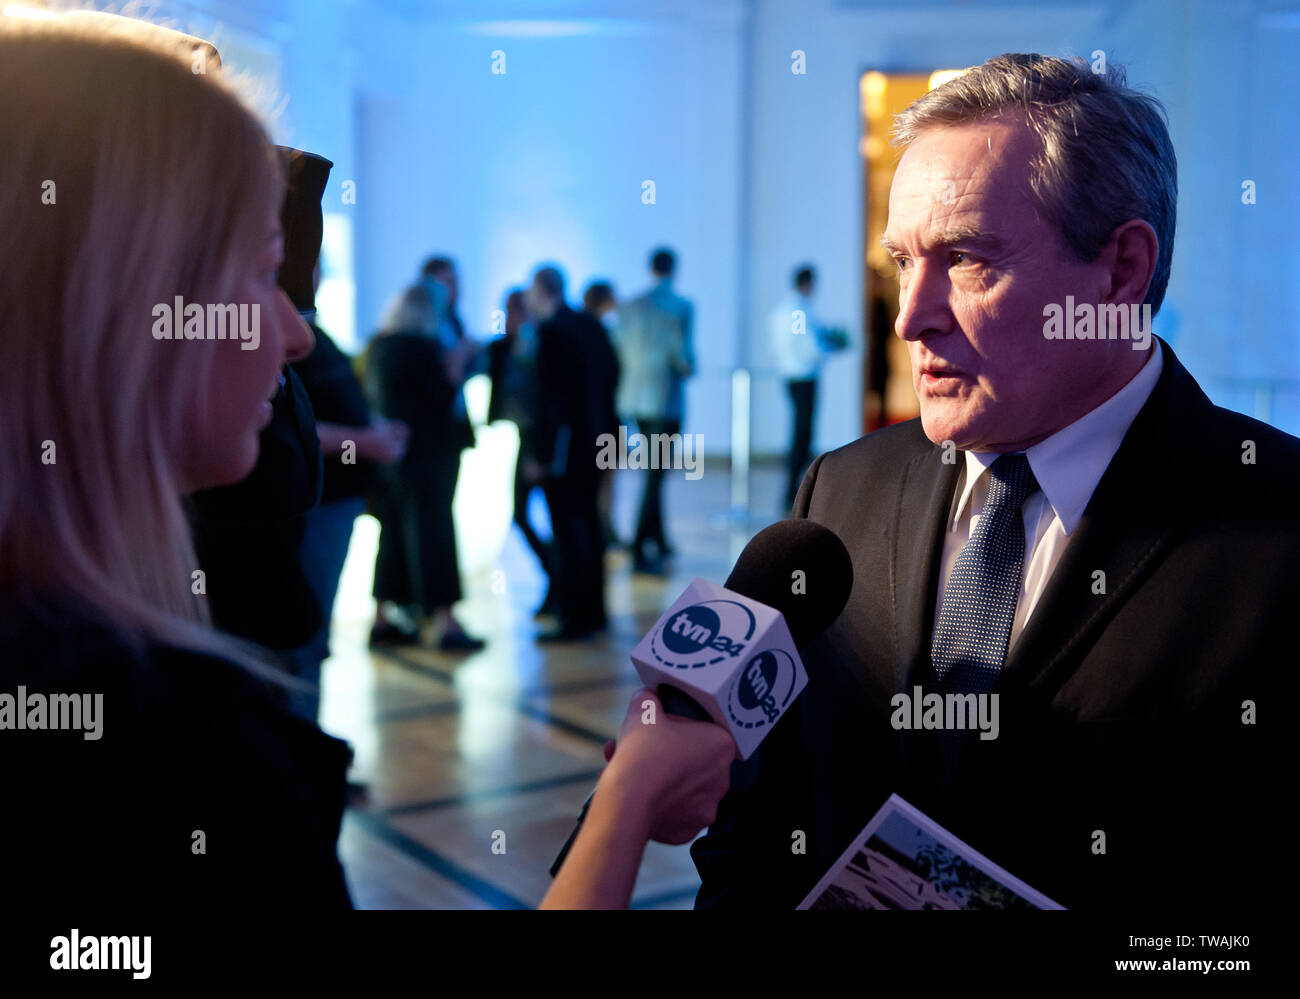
<point x="1132" y="254"/>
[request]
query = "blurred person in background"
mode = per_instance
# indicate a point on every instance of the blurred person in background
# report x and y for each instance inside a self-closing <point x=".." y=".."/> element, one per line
<point x="656" y="353"/>
<point x="512" y="365"/>
<point x="800" y="343"/>
<point x="414" y="368"/>
<point x="572" y="410"/>
<point x="599" y="303"/>
<point x="443" y="269"/>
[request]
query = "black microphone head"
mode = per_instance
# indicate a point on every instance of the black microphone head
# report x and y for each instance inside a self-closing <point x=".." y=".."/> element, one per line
<point x="766" y="572"/>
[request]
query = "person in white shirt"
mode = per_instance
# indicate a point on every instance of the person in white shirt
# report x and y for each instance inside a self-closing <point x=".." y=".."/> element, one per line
<point x="654" y="338"/>
<point x="800" y="343"/>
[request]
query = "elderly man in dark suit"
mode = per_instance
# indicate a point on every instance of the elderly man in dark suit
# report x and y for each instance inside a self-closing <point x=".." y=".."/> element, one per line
<point x="1070" y="526"/>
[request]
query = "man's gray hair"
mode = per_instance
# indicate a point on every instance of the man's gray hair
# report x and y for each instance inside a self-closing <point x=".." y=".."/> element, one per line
<point x="1105" y="155"/>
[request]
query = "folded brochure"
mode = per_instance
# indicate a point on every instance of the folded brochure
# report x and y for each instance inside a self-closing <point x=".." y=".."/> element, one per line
<point x="905" y="860"/>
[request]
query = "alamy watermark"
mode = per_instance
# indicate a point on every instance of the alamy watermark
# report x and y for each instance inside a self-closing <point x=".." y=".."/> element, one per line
<point x="1098" y="322"/>
<point x="933" y="711"/>
<point x="658" y="451"/>
<point x="23" y="711"/>
<point x="178" y="321"/>
<point x="99" y="953"/>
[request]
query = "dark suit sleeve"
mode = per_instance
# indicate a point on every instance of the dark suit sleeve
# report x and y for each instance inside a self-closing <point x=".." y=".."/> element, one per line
<point x="413" y="385"/>
<point x="550" y="389"/>
<point x="564" y="388"/>
<point x="748" y="859"/>
<point x="498" y="352"/>
<point x="754" y="855"/>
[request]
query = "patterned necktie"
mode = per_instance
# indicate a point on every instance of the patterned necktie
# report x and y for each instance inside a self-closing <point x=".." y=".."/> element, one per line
<point x="979" y="602"/>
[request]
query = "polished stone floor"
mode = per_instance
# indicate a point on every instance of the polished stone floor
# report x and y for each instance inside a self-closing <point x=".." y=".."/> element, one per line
<point x="477" y="765"/>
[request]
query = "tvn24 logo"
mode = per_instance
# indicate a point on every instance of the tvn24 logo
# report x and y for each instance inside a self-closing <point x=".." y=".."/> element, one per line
<point x="703" y="634"/>
<point x="762" y="690"/>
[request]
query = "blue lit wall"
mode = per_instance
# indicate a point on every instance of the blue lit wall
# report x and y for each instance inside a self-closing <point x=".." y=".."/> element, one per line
<point x="756" y="168"/>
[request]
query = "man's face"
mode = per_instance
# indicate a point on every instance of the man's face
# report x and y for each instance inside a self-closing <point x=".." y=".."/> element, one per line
<point x="447" y="275"/>
<point x="538" y="302"/>
<point x="516" y="313"/>
<point x="977" y="264"/>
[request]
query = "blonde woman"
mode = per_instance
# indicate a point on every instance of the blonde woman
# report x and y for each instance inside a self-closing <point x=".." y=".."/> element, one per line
<point x="146" y="762"/>
<point x="147" y="766"/>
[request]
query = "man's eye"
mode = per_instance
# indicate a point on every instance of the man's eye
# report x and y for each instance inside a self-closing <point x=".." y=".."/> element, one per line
<point x="961" y="257"/>
<point x="901" y="262"/>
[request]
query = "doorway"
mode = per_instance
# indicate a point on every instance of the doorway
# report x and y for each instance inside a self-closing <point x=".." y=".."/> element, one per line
<point x="888" y="396"/>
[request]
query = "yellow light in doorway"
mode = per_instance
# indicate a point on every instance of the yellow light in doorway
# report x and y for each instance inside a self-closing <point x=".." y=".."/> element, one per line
<point x="941" y="76"/>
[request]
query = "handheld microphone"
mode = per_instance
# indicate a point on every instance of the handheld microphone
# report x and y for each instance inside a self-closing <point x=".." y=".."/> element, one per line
<point x="729" y="654"/>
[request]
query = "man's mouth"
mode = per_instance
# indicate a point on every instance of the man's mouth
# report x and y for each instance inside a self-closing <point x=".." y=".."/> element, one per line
<point x="940" y="379"/>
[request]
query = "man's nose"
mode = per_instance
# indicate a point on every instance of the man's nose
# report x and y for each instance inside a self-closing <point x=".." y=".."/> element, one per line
<point x="923" y="305"/>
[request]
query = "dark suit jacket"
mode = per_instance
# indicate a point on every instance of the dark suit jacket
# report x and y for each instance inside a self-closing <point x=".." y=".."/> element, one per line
<point x="188" y="742"/>
<point x="405" y="380"/>
<point x="576" y="375"/>
<point x="1120" y="712"/>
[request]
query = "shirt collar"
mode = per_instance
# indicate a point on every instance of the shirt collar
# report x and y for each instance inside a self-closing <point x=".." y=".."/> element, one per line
<point x="1069" y="464"/>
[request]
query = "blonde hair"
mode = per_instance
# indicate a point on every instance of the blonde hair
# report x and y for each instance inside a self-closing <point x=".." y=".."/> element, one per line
<point x="412" y="310"/>
<point x="128" y="179"/>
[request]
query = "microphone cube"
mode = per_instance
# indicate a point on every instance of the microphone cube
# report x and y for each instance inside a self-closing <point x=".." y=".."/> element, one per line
<point x="733" y="655"/>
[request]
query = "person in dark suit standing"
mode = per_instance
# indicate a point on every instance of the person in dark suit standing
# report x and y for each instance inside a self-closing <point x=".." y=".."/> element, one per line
<point x="575" y="396"/>
<point x="1070" y="526"/>
<point x="512" y="367"/>
<point x="600" y="303"/>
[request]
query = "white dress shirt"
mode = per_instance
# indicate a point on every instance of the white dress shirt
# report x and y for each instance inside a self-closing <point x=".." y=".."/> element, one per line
<point x="798" y="356"/>
<point x="1067" y="466"/>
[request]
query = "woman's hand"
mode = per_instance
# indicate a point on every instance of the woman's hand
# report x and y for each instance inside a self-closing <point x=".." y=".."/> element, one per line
<point x="665" y="778"/>
<point x="672" y="770"/>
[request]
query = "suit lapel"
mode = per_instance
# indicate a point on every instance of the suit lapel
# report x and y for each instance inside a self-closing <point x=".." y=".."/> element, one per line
<point x="920" y="523"/>
<point x="1136" y="512"/>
